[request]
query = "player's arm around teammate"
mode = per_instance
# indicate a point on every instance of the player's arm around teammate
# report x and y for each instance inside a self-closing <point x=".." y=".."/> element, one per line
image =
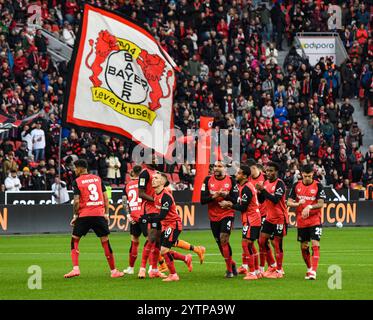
<point x="308" y="197"/>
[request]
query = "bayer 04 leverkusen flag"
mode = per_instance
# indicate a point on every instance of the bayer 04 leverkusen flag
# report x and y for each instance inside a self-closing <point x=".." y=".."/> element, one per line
<point x="121" y="81"/>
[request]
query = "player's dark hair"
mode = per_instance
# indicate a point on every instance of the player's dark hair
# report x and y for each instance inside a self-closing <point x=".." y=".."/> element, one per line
<point x="165" y="177"/>
<point x="273" y="165"/>
<point x="136" y="169"/>
<point x="246" y="170"/>
<point x="307" y="168"/>
<point x="260" y="166"/>
<point x="251" y="162"/>
<point x="81" y="163"/>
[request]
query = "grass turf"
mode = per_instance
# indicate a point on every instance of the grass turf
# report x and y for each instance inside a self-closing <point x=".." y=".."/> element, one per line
<point x="349" y="248"/>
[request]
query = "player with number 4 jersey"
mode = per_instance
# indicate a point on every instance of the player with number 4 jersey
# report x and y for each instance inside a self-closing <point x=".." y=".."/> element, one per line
<point x="308" y="197"/>
<point x="215" y="189"/>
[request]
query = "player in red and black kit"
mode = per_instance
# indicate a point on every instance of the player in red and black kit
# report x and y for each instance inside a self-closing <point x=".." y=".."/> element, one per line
<point x="273" y="193"/>
<point x="248" y="205"/>
<point x="257" y="177"/>
<point x="215" y="189"/>
<point x="91" y="211"/>
<point x="132" y="206"/>
<point x="308" y="197"/>
<point x="146" y="193"/>
<point x="171" y="225"/>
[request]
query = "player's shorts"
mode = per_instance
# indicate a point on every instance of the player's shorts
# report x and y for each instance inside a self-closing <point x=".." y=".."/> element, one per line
<point x="275" y="230"/>
<point x="169" y="236"/>
<point x="250" y="233"/>
<point x="98" y="224"/>
<point x="310" y="233"/>
<point x="154" y="225"/>
<point x="223" y="226"/>
<point x="139" y="228"/>
<point x="264" y="219"/>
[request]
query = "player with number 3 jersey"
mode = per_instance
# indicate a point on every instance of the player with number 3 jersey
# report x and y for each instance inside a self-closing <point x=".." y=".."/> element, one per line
<point x="91" y="211"/>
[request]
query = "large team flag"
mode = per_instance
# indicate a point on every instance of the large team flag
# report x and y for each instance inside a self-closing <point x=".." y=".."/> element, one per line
<point x="121" y="81"/>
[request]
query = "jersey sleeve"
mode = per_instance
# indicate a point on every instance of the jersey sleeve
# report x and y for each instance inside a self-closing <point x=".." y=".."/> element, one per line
<point x="234" y="192"/>
<point x="321" y="192"/>
<point x="246" y="197"/>
<point x="293" y="192"/>
<point x="279" y="192"/>
<point x="205" y="193"/>
<point x="143" y="179"/>
<point x="75" y="188"/>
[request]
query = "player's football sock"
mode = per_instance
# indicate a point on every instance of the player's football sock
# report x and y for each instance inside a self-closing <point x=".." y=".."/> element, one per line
<point x="269" y="255"/>
<point x="177" y="256"/>
<point x="315" y="257"/>
<point x="279" y="253"/>
<point x="251" y="262"/>
<point x="75" y="252"/>
<point x="109" y="254"/>
<point x="170" y="262"/>
<point x="307" y="257"/>
<point x="133" y="253"/>
<point x="256" y="256"/>
<point x="262" y="251"/>
<point x="220" y="248"/>
<point x="154" y="255"/>
<point x="227" y="256"/>
<point x="184" y="245"/>
<point x="245" y="252"/>
<point x="145" y="253"/>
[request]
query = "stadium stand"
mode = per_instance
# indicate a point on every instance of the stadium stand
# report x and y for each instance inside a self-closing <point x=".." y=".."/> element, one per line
<point x="227" y="51"/>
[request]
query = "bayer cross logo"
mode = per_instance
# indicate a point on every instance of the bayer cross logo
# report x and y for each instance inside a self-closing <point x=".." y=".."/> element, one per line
<point x="125" y="79"/>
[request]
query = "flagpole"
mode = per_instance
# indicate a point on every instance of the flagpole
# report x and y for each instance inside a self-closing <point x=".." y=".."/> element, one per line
<point x="59" y="162"/>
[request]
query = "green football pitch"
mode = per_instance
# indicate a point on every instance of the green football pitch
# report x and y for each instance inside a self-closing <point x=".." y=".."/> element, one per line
<point x="347" y="250"/>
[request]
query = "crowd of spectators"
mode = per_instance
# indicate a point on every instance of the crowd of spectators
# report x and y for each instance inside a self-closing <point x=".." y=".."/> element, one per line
<point x="228" y="54"/>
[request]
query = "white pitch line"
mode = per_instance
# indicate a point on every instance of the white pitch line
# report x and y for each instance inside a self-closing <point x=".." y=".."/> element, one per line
<point x="302" y="264"/>
<point x="206" y="254"/>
